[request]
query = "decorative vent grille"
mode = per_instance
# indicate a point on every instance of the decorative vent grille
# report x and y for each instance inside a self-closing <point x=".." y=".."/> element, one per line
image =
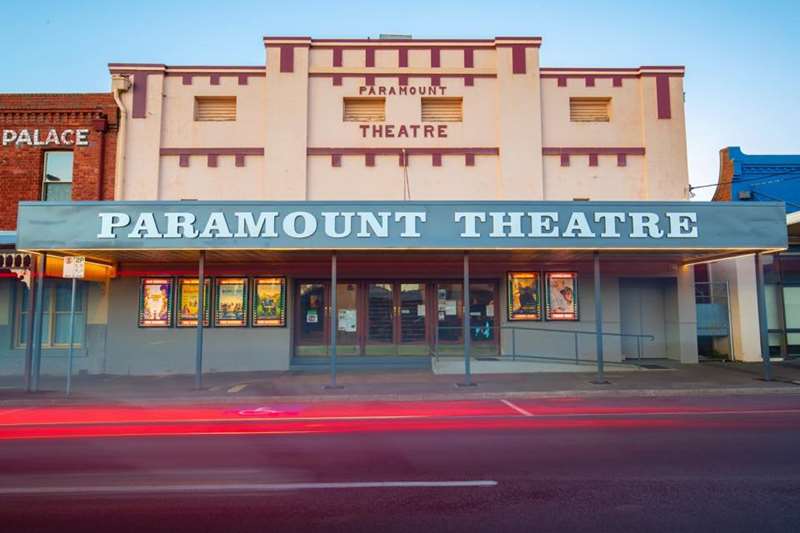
<point x="214" y="108"/>
<point x="442" y="110"/>
<point x="590" y="109"/>
<point x="364" y="109"/>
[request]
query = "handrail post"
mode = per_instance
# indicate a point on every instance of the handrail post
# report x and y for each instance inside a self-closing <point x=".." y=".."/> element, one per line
<point x="466" y="325"/>
<point x="513" y="344"/>
<point x="639" y="349"/>
<point x="600" y="379"/>
<point x="333" y="324"/>
<point x="575" y="336"/>
<point x="201" y="316"/>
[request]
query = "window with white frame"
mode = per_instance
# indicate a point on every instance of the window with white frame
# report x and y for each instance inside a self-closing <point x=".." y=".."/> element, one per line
<point x="57" y="176"/>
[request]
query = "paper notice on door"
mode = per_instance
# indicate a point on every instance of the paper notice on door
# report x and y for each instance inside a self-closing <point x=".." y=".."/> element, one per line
<point x="450" y="307"/>
<point x="490" y="310"/>
<point x="347" y="320"/>
<point x="420" y="309"/>
<point x="312" y="317"/>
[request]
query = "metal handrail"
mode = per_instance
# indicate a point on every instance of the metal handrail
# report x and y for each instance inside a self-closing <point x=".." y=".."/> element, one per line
<point x="575" y="333"/>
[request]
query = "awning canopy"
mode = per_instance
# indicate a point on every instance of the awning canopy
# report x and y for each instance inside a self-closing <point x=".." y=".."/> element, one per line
<point x="676" y="232"/>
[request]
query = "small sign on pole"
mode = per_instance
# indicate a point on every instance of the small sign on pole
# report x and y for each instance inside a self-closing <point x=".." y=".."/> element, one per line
<point x="74" y="268"/>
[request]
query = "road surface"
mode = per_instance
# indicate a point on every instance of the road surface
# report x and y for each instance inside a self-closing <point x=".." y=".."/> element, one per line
<point x="629" y="464"/>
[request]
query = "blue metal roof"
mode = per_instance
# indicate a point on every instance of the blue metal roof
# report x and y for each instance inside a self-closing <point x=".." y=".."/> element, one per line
<point x="763" y="178"/>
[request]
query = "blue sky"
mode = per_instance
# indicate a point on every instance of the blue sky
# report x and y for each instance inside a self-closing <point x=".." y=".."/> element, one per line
<point x="742" y="81"/>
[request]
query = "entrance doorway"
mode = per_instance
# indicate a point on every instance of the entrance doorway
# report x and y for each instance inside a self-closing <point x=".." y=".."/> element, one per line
<point x="643" y="311"/>
<point x="394" y="318"/>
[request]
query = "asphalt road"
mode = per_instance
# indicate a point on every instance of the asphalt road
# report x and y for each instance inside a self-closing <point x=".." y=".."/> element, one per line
<point x="652" y="464"/>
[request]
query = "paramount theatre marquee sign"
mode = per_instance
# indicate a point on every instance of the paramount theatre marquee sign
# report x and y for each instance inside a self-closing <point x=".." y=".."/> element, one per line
<point x="399" y="225"/>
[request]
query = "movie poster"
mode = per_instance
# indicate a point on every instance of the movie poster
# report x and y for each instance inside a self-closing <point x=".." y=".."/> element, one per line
<point x="155" y="303"/>
<point x="269" y="302"/>
<point x="188" y="302"/>
<point x="562" y="296"/>
<point x="231" y="302"/>
<point x="524" y="302"/>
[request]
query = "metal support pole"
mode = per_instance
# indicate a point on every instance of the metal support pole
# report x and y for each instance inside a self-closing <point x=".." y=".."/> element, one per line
<point x="34" y="282"/>
<point x="600" y="379"/>
<point x="466" y="323"/>
<point x="71" y="351"/>
<point x="201" y="304"/>
<point x="575" y="338"/>
<point x="36" y="356"/>
<point x="333" y="323"/>
<point x="762" y="317"/>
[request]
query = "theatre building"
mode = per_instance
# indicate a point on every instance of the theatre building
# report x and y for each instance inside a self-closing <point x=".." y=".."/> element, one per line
<point x="431" y="203"/>
<point x="53" y="148"/>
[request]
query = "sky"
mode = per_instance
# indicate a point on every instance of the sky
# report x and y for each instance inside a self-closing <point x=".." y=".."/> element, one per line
<point x="742" y="85"/>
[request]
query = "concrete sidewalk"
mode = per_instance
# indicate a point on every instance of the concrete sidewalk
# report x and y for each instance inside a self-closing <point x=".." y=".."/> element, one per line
<point x="384" y="384"/>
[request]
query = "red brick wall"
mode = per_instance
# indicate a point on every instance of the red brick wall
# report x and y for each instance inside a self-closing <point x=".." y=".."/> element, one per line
<point x="21" y="167"/>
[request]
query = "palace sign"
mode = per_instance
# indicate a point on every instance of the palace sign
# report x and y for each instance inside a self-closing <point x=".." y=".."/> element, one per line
<point x="51" y="137"/>
<point x="400" y="225"/>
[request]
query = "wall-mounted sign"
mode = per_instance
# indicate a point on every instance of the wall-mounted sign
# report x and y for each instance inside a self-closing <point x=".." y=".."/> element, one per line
<point x="231" y="302"/>
<point x="269" y="302"/>
<point x="562" y="296"/>
<point x="188" y="302"/>
<point x="155" y="302"/>
<point x="402" y="90"/>
<point x="403" y="131"/>
<point x="401" y="225"/>
<point x="524" y="296"/>
<point x="51" y="137"/>
<point x="74" y="267"/>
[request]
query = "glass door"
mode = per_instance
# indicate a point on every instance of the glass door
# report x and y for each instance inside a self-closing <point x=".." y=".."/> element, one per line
<point x="412" y="331"/>
<point x="380" y="334"/>
<point x="482" y="318"/>
<point x="312" y="323"/>
<point x="347" y="330"/>
<point x="449" y="323"/>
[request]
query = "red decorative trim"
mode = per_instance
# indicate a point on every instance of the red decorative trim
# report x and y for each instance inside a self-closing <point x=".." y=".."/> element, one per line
<point x="284" y="38"/>
<point x="183" y="160"/>
<point x="212" y="160"/>
<point x="242" y="79"/>
<point x="396" y="151"/>
<point x="469" y="159"/>
<point x="583" y="76"/>
<point x="469" y="81"/>
<point x="337" y="80"/>
<point x="592" y="160"/>
<point x="436" y="58"/>
<point x="370" y="56"/>
<point x="219" y="74"/>
<point x="397" y="75"/>
<point x="419" y="41"/>
<point x="209" y="151"/>
<point x="436" y="159"/>
<point x="402" y="80"/>
<point x="287" y="58"/>
<point x="369" y="80"/>
<point x="550" y="150"/>
<point x="336" y="160"/>
<point x="214" y="79"/>
<point x="518" y="59"/>
<point x="616" y="81"/>
<point x="662" y="97"/>
<point x="564" y="160"/>
<point x="337" y="57"/>
<point x="369" y="159"/>
<point x="609" y="69"/>
<point x="402" y="57"/>
<point x="469" y="57"/>
<point x="436" y="81"/>
<point x="562" y="81"/>
<point x="622" y="160"/>
<point x="589" y="81"/>
<point x="187" y="79"/>
<point x="403" y="160"/>
<point x="139" y="109"/>
<point x="239" y="160"/>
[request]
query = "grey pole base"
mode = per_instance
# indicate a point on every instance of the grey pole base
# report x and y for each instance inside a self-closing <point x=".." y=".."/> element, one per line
<point x="332" y="387"/>
<point x="468" y="384"/>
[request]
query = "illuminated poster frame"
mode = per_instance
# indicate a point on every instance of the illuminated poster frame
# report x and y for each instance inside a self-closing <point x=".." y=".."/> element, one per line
<point x="230" y="292"/>
<point x="530" y="283"/>
<point x="562" y="296"/>
<point x="268" y="313"/>
<point x="190" y="319"/>
<point x="155" y="302"/>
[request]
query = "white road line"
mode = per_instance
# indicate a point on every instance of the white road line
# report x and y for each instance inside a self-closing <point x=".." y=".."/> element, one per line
<point x="241" y="487"/>
<point x="9" y="411"/>
<point x="237" y="388"/>
<point x="518" y="409"/>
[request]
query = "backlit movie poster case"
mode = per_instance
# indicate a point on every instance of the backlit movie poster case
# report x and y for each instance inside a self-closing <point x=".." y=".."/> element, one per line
<point x="188" y="301"/>
<point x="269" y="302"/>
<point x="231" y="298"/>
<point x="562" y="295"/>
<point x="524" y="296"/>
<point x="155" y="302"/>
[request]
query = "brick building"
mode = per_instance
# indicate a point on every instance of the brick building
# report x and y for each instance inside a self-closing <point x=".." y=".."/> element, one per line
<point x="52" y="147"/>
